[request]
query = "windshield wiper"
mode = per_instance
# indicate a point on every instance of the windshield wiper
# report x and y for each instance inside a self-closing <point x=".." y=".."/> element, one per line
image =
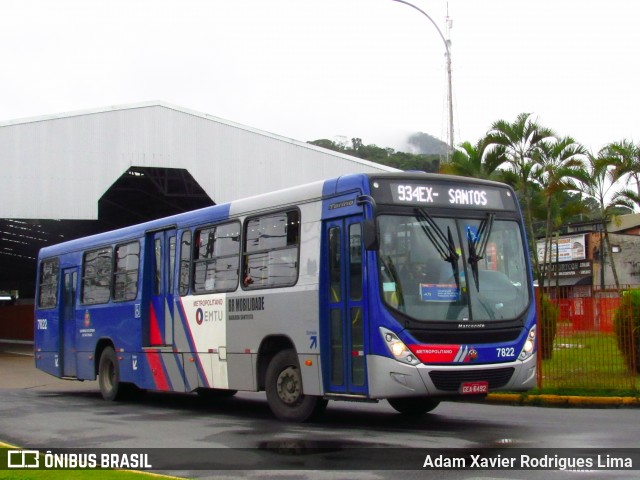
<point x="453" y="258"/>
<point x="475" y="255"/>
<point x="444" y="244"/>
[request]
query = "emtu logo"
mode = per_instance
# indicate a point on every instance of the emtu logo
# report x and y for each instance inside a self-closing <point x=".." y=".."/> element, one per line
<point x="23" y="459"/>
<point x="473" y="354"/>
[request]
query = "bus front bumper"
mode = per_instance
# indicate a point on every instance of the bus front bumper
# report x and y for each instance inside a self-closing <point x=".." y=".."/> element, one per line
<point x="389" y="378"/>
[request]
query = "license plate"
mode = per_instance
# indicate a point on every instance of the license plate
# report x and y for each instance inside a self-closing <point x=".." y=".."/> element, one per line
<point x="471" y="388"/>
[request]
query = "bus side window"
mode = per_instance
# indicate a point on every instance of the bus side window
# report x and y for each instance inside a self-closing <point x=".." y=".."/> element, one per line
<point x="271" y="249"/>
<point x="48" y="283"/>
<point x="215" y="261"/>
<point x="125" y="275"/>
<point x="157" y="275"/>
<point x="204" y="263"/>
<point x="185" y="263"/>
<point x="172" y="261"/>
<point x="96" y="276"/>
<point x="227" y="251"/>
<point x="334" y="265"/>
<point x="355" y="261"/>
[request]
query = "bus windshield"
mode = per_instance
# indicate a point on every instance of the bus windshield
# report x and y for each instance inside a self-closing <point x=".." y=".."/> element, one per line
<point x="453" y="269"/>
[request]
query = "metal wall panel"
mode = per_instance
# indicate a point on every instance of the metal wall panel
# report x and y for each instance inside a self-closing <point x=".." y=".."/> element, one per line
<point x="60" y="166"/>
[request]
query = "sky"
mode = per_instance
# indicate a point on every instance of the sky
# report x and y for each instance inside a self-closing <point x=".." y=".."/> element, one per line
<point x="336" y="69"/>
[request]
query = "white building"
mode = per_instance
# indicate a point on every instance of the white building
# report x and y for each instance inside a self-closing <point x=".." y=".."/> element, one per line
<point x="125" y="164"/>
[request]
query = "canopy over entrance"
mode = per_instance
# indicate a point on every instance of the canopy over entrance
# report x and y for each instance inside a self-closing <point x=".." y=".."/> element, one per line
<point x="139" y="195"/>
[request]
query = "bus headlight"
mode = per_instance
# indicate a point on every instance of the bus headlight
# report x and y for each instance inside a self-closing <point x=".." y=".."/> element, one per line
<point x="397" y="348"/>
<point x="529" y="345"/>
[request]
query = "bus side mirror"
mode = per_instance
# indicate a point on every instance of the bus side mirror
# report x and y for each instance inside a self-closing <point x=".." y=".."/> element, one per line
<point x="370" y="235"/>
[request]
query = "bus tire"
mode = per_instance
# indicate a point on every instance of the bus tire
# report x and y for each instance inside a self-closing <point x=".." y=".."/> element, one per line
<point x="285" y="392"/>
<point x="109" y="376"/>
<point x="413" y="405"/>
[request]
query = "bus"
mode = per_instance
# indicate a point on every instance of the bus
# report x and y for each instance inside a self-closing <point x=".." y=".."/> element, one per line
<point x="409" y="287"/>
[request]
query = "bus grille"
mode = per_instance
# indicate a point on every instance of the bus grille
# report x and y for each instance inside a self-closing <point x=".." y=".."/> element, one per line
<point x="450" y="381"/>
<point x="474" y="337"/>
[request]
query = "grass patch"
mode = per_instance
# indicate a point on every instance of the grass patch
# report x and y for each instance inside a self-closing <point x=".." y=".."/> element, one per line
<point x="590" y="362"/>
<point x="585" y="392"/>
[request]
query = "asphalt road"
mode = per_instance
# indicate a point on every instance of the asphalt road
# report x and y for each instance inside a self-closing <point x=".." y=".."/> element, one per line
<point x="353" y="440"/>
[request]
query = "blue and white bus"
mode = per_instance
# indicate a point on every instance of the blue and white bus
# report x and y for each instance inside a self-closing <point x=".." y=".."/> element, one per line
<point x="408" y="287"/>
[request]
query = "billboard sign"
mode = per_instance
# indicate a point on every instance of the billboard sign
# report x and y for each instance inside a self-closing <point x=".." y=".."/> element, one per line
<point x="563" y="249"/>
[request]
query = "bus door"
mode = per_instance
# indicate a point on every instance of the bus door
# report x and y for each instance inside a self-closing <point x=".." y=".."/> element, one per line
<point x="345" y="327"/>
<point x="161" y="246"/>
<point x="68" y="322"/>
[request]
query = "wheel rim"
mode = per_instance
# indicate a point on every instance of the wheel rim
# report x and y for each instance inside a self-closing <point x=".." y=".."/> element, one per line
<point x="288" y="385"/>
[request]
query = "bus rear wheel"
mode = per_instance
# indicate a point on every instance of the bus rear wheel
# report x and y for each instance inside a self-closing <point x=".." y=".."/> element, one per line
<point x="413" y="405"/>
<point x="109" y="375"/>
<point x="285" y="393"/>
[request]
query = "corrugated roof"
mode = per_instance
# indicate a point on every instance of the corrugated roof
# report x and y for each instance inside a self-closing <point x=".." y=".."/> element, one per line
<point x="159" y="103"/>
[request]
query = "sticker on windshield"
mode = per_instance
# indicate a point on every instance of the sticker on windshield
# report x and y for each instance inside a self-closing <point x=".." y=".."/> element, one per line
<point x="439" y="292"/>
<point x="389" y="287"/>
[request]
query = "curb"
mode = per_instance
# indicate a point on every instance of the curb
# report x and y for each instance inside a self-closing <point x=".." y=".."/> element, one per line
<point x="561" y="400"/>
<point x="16" y="347"/>
<point x="16" y="342"/>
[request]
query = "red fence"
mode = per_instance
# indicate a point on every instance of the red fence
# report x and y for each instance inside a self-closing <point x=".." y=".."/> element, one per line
<point x="584" y="350"/>
<point x="582" y="313"/>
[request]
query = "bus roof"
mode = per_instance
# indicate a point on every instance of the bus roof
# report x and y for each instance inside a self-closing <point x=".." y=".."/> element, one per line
<point x="247" y="206"/>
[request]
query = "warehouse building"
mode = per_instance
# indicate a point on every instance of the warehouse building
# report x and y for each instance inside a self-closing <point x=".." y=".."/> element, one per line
<point x="69" y="175"/>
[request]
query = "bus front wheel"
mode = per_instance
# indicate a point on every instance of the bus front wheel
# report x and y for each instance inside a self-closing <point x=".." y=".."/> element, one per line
<point x="109" y="375"/>
<point x="284" y="390"/>
<point x="413" y="405"/>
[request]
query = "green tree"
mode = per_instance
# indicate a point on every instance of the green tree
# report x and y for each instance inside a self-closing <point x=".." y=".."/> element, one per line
<point x="549" y="315"/>
<point x="328" y="144"/>
<point x="626" y="324"/>
<point x="520" y="141"/>
<point x="384" y="156"/>
<point x="475" y="161"/>
<point x="557" y="164"/>
<point x="597" y="182"/>
<point x="625" y="156"/>
<point x="370" y="152"/>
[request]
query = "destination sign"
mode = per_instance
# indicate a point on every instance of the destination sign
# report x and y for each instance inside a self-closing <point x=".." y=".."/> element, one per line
<point x="446" y="195"/>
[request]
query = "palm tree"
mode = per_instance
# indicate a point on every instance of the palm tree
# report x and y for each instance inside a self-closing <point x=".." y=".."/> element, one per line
<point x="597" y="182"/>
<point x="557" y="165"/>
<point x="625" y="156"/>
<point x="474" y="161"/>
<point x="519" y="142"/>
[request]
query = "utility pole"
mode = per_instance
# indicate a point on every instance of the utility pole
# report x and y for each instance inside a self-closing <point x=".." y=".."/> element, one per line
<point x="447" y="45"/>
